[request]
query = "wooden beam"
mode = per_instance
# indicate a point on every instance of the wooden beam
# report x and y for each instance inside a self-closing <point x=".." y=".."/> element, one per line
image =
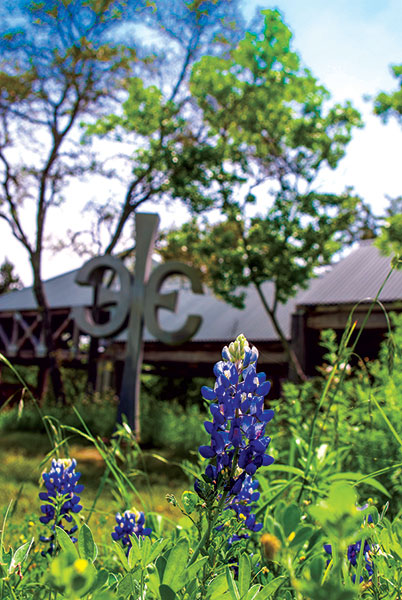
<point x="28" y="329"/>
<point x="338" y="320"/>
<point x="56" y="334"/>
<point x="4" y="338"/>
<point x="202" y="356"/>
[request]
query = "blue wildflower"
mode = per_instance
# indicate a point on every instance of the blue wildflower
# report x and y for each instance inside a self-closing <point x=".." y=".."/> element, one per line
<point x="238" y="446"/>
<point x="61" y="498"/>
<point x="354" y="549"/>
<point x="243" y="503"/>
<point x="128" y="524"/>
<point x="353" y="553"/>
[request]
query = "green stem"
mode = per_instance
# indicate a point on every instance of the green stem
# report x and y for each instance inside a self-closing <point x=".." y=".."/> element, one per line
<point x="210" y="524"/>
<point x="12" y="593"/>
<point x="98" y="492"/>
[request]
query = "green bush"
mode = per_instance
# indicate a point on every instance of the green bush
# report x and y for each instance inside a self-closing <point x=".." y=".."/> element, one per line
<point x="172" y="426"/>
<point x="171" y="413"/>
<point x="349" y="426"/>
<point x="99" y="413"/>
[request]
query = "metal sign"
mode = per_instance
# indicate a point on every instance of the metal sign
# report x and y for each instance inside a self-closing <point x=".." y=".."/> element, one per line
<point x="135" y="303"/>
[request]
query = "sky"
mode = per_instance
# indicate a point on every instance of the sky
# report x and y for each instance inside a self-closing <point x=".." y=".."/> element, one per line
<point x="349" y="46"/>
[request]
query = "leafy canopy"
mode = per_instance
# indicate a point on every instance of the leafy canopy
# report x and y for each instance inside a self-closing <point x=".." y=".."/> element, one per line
<point x="386" y="106"/>
<point x="271" y="126"/>
<point x="270" y="123"/>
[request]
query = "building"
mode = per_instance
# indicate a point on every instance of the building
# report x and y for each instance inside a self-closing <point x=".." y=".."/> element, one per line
<point x="348" y="285"/>
<point x="348" y="288"/>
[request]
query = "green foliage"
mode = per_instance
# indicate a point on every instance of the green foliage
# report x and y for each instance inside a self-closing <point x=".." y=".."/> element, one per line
<point x="260" y="103"/>
<point x="177" y="404"/>
<point x="322" y="536"/>
<point x="269" y="122"/>
<point x="388" y="105"/>
<point x="353" y="440"/>
<point x="100" y="415"/>
<point x="9" y="281"/>
<point x="176" y="428"/>
<point x="389" y="242"/>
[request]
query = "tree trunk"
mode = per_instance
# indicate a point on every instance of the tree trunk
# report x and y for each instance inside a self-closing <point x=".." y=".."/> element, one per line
<point x="43" y="381"/>
<point x="290" y="353"/>
<point x="44" y="311"/>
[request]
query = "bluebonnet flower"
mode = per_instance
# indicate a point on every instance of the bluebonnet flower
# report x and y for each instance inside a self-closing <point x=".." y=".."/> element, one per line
<point x="353" y="553"/>
<point x="130" y="523"/>
<point x="238" y="442"/>
<point x="354" y="550"/>
<point x="243" y="503"/>
<point x="61" y="498"/>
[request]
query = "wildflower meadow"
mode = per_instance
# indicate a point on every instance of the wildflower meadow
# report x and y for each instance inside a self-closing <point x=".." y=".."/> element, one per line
<point x="297" y="498"/>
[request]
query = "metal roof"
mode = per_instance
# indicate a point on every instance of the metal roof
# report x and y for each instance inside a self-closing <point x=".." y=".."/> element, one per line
<point x="221" y="321"/>
<point x="61" y="292"/>
<point x="356" y="278"/>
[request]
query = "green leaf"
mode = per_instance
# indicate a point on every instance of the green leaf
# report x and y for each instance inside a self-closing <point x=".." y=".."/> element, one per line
<point x="145" y="546"/>
<point x="317" y="568"/>
<point x="269" y="589"/>
<point x="303" y="534"/>
<point x="7" y="511"/>
<point x="103" y="595"/>
<point x="359" y="478"/>
<point x="253" y="591"/>
<point x="189" y="500"/>
<point x="101" y="579"/>
<point x="166" y="592"/>
<point x="291" y="519"/>
<point x="176" y="564"/>
<point x="268" y="522"/>
<point x="20" y="555"/>
<point x="244" y="574"/>
<point x="155" y="550"/>
<point x="135" y="554"/>
<point x="7" y="558"/>
<point x="388" y="422"/>
<point x="286" y="469"/>
<point x="86" y="545"/>
<point x="218" y="587"/>
<point x="65" y="541"/>
<point x="112" y="580"/>
<point x="121" y="555"/>
<point x="190" y="572"/>
<point x="128" y="585"/>
<point x="160" y="564"/>
<point x="234" y="592"/>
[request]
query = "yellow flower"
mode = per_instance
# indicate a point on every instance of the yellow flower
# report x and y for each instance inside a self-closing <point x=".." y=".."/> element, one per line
<point x="291" y="536"/>
<point x="270" y="545"/>
<point x="80" y="565"/>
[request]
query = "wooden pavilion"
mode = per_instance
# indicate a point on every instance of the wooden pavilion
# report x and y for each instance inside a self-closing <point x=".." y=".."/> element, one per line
<point x="325" y="304"/>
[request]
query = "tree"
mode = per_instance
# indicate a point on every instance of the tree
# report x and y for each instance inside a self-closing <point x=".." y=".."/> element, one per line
<point x="9" y="281"/>
<point x="56" y="68"/>
<point x="390" y="239"/>
<point x="271" y="126"/>
<point x="386" y="106"/>
<point x="167" y="158"/>
<point x="59" y="68"/>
